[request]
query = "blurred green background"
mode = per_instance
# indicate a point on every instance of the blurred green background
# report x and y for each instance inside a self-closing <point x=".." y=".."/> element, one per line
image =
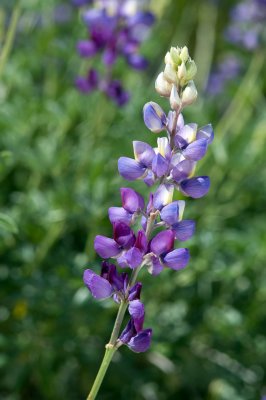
<point x="58" y="172"/>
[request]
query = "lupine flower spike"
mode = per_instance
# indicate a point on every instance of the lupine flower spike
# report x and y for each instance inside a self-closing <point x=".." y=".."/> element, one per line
<point x="159" y="243"/>
<point x="115" y="29"/>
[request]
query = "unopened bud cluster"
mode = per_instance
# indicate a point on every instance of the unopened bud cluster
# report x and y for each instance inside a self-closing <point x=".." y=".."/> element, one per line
<point x="176" y="81"/>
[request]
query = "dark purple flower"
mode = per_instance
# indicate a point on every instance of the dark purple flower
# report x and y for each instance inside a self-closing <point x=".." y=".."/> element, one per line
<point x="124" y="238"/>
<point x="134" y="256"/>
<point x="134" y="336"/>
<point x="134" y="292"/>
<point x="99" y="287"/>
<point x="108" y="284"/>
<point x="116" y="92"/>
<point x="113" y="32"/>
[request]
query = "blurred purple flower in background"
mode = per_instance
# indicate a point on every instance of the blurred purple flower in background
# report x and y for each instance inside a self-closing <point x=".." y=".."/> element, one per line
<point x="228" y="69"/>
<point x="248" y="24"/>
<point x="115" y="29"/>
<point x="247" y="30"/>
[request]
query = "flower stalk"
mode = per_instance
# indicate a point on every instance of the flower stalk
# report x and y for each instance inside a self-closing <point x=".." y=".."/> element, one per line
<point x="170" y="166"/>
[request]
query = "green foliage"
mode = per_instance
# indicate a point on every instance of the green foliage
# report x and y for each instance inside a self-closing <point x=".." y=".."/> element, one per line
<point x="58" y="173"/>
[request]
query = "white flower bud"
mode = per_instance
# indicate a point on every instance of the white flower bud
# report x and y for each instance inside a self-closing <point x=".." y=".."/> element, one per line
<point x="191" y="70"/>
<point x="175" y="55"/>
<point x="181" y="73"/>
<point x="184" y="54"/>
<point x="175" y="100"/>
<point x="162" y="86"/>
<point x="190" y="93"/>
<point x="168" y="58"/>
<point x="169" y="73"/>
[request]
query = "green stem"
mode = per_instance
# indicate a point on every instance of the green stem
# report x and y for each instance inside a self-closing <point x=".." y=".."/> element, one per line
<point x="111" y="347"/>
<point x="118" y="322"/>
<point x="9" y="37"/>
<point x="109" y="352"/>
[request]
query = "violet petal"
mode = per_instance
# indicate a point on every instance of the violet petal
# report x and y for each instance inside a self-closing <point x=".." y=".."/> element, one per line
<point x="206" y="132"/>
<point x="154" y="117"/>
<point x="195" y="187"/>
<point x="106" y="247"/>
<point x="130" y="169"/>
<point x="177" y="259"/>
<point x="131" y="200"/>
<point x="163" y="242"/>
<point x="141" y="342"/>
<point x="134" y="292"/>
<point x="159" y="165"/>
<point x="123" y="235"/>
<point x="99" y="287"/>
<point x="143" y="152"/>
<point x="184" y="230"/>
<point x="137" y="312"/>
<point x="170" y="213"/>
<point x="133" y="257"/>
<point x="196" y="150"/>
<point x="119" y="214"/>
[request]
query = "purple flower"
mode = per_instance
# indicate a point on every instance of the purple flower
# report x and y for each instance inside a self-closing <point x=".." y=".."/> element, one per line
<point x="171" y="165"/>
<point x="113" y="32"/>
<point x="124" y="238"/>
<point x="132" y="204"/>
<point x="134" y="256"/>
<point x="106" y="285"/>
<point x="134" y="336"/>
<point x="195" y="187"/>
<point x="86" y="85"/>
<point x="86" y="48"/>
<point x="163" y="253"/>
<point x="247" y="26"/>
<point x="154" y="117"/>
<point x="110" y="283"/>
<point x="116" y="92"/>
<point x="172" y="216"/>
<point x="227" y="70"/>
<point x="131" y="169"/>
